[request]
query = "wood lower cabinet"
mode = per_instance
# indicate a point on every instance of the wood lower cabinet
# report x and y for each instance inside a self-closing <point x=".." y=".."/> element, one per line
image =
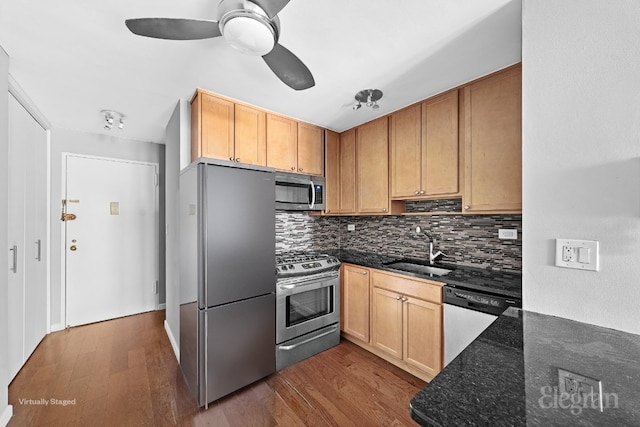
<point x="403" y="318"/>
<point x="493" y="143"/>
<point x="354" y="302"/>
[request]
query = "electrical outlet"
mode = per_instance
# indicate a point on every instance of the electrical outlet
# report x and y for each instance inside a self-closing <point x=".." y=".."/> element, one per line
<point x="582" y="390"/>
<point x="351" y="227"/>
<point x="507" y="233"/>
<point x="579" y="254"/>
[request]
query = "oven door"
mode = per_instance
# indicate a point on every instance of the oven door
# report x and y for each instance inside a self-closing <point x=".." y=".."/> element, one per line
<point x="306" y="304"/>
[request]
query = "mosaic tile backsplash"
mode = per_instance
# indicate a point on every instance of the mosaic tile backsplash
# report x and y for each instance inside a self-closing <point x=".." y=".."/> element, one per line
<point x="470" y="240"/>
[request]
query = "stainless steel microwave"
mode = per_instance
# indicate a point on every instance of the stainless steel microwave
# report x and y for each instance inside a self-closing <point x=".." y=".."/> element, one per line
<point x="295" y="192"/>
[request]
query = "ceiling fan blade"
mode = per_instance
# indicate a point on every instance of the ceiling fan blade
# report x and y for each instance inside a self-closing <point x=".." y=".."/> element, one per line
<point x="272" y="7"/>
<point x="173" y="29"/>
<point x="289" y="68"/>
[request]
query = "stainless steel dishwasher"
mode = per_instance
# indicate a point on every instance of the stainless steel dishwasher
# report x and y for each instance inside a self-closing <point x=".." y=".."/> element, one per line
<point x="468" y="312"/>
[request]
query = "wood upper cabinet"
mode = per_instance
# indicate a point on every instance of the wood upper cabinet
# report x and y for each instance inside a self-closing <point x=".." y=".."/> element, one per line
<point x="282" y="143"/>
<point x="406" y="320"/>
<point x="424" y="153"/>
<point x="294" y="146"/>
<point x="222" y="129"/>
<point x="347" y="200"/>
<point x="354" y="313"/>
<point x="332" y="172"/>
<point x="310" y="149"/>
<point x="372" y="167"/>
<point x="493" y="143"/>
<point x="440" y="145"/>
<point x="212" y="127"/>
<point x="250" y="136"/>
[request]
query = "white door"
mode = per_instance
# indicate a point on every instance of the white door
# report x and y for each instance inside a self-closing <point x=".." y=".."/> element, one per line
<point x="111" y="246"/>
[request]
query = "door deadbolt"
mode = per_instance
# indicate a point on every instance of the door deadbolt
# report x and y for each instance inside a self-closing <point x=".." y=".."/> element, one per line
<point x="73" y="247"/>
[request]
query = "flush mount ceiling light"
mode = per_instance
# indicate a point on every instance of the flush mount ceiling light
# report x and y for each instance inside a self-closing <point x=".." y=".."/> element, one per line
<point x="111" y="117"/>
<point x="368" y="97"/>
<point x="247" y="28"/>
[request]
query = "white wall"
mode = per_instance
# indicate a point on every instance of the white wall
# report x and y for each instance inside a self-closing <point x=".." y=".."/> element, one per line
<point x="5" y="409"/>
<point x="178" y="155"/>
<point x="581" y="156"/>
<point x="63" y="140"/>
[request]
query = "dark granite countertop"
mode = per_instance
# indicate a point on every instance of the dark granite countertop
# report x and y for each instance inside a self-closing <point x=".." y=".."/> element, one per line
<point x="492" y="281"/>
<point x="509" y="376"/>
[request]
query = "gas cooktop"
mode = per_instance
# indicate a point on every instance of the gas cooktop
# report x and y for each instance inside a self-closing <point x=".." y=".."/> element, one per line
<point x="304" y="263"/>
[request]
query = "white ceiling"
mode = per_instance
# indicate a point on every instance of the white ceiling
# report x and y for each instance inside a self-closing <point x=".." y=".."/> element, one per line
<point x="74" y="58"/>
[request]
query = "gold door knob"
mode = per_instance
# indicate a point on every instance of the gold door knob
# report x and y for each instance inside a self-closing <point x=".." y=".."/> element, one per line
<point x="73" y="247"/>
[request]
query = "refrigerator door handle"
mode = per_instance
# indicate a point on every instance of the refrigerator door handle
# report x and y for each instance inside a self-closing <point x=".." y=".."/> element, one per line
<point x="308" y="340"/>
<point x="313" y="195"/>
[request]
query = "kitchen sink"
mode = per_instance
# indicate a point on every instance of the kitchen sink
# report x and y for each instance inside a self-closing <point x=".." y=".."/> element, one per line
<point x="416" y="267"/>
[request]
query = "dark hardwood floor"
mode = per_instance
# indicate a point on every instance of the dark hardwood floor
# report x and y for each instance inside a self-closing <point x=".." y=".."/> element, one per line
<point x="123" y="372"/>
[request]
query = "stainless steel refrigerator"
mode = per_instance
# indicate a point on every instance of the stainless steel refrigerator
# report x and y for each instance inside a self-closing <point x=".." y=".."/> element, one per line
<point x="227" y="277"/>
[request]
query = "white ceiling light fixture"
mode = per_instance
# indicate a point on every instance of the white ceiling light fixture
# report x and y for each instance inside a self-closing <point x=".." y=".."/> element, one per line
<point x="247" y="28"/>
<point x="111" y="117"/>
<point x="368" y="97"/>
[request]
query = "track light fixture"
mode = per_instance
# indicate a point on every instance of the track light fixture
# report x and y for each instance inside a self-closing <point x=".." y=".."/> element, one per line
<point x="368" y="97"/>
<point x="110" y="116"/>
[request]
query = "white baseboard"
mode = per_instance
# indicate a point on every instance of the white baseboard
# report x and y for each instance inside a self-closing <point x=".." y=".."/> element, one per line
<point x="6" y="415"/>
<point x="172" y="340"/>
<point x="162" y="306"/>
<point x="57" y="327"/>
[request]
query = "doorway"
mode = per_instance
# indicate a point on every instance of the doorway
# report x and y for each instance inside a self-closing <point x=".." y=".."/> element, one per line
<point x="110" y="238"/>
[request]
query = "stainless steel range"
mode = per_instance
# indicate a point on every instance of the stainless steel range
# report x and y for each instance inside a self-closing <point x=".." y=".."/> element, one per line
<point x="307" y="306"/>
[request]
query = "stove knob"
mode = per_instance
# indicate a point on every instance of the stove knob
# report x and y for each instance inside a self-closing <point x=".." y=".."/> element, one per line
<point x="290" y="266"/>
<point x="284" y="267"/>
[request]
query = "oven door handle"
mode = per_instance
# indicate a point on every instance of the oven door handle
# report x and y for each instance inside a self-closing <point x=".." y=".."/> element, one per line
<point x="308" y="340"/>
<point x="309" y="285"/>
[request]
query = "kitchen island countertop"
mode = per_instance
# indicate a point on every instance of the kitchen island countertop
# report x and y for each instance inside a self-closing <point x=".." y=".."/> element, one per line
<point x="510" y="376"/>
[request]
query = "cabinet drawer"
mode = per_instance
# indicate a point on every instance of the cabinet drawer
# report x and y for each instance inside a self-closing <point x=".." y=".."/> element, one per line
<point x="418" y="288"/>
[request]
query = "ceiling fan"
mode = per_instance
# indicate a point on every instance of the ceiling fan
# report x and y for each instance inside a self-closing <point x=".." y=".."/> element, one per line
<point x="251" y="26"/>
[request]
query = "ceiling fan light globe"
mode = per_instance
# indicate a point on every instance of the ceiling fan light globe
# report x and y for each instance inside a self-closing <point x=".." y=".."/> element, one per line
<point x="248" y="35"/>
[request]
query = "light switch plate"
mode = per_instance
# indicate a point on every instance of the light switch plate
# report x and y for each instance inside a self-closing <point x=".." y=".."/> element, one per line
<point x="578" y="254"/>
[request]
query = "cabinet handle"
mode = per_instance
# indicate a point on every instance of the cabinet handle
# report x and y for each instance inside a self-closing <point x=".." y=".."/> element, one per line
<point x="384" y="209"/>
<point x="237" y="159"/>
<point x="422" y="191"/>
<point x="398" y="297"/>
<point x="300" y="169"/>
<point x="417" y="192"/>
<point x="14" y="267"/>
<point x="404" y="299"/>
<point x="361" y="272"/>
<point x="467" y="207"/>
<point x="293" y="168"/>
<point x="231" y="158"/>
<point x="38" y="250"/>
<point x="327" y="210"/>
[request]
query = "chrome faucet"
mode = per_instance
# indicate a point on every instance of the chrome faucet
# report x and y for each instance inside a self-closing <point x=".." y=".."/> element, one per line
<point x="438" y="255"/>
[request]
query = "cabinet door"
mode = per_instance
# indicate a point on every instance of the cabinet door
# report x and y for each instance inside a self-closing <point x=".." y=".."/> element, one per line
<point x="355" y="302"/>
<point x="493" y="143"/>
<point x="372" y="166"/>
<point x="282" y="141"/>
<point x="347" y="200"/>
<point x="217" y="130"/>
<point x="332" y="172"/>
<point x="386" y="321"/>
<point x="422" y="326"/>
<point x="440" y="155"/>
<point x="250" y="136"/>
<point x="405" y="135"/>
<point x="310" y="149"/>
